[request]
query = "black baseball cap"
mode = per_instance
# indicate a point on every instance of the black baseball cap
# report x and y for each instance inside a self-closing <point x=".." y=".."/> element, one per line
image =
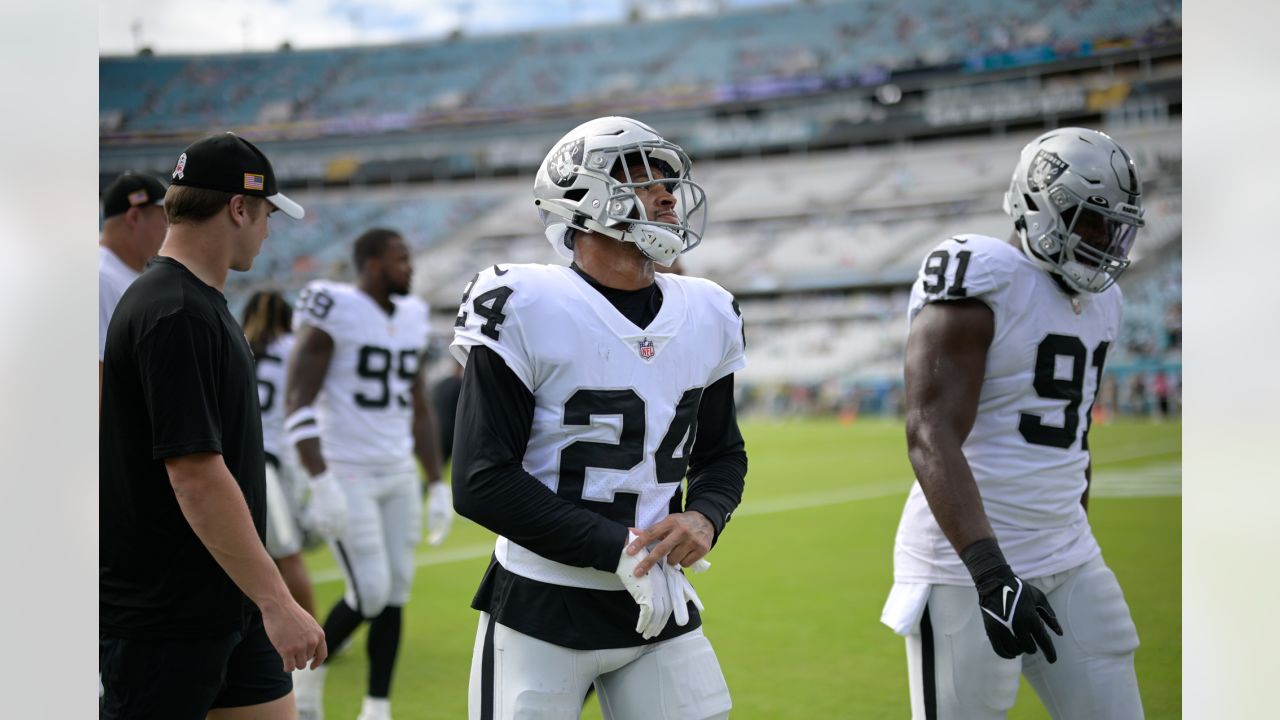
<point x="229" y="163"/>
<point x="131" y="190"/>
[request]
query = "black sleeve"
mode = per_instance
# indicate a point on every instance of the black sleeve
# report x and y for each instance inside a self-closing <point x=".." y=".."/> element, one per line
<point x="491" y="487"/>
<point x="178" y="367"/>
<point x="718" y="462"/>
<point x="445" y="399"/>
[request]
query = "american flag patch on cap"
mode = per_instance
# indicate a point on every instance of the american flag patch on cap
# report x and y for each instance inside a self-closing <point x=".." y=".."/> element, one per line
<point x="137" y="197"/>
<point x="252" y="181"/>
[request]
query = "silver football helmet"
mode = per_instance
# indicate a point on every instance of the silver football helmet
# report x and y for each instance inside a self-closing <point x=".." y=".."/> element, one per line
<point x="1076" y="201"/>
<point x="586" y="183"/>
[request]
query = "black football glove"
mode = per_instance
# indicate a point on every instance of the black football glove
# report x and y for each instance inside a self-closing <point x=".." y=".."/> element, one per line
<point x="1014" y="612"/>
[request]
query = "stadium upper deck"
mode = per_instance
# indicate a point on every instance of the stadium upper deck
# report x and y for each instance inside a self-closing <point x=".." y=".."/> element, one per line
<point x="688" y="62"/>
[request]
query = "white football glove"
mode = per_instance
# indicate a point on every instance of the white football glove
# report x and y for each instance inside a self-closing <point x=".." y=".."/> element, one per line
<point x="439" y="511"/>
<point x="650" y="592"/>
<point x="327" y="512"/>
<point x="682" y="592"/>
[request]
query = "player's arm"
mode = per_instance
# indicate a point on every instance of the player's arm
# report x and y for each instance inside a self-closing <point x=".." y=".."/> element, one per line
<point x="944" y="371"/>
<point x="426" y="446"/>
<point x="491" y="486"/>
<point x="717" y="475"/>
<point x="214" y="506"/>
<point x="308" y="365"/>
<point x="426" y="442"/>
<point x="945" y="365"/>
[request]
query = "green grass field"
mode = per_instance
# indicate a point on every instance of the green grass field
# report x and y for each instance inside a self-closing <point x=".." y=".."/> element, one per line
<point x="793" y="601"/>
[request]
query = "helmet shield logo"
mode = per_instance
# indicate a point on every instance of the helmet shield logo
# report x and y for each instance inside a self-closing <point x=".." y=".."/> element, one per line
<point x="1046" y="168"/>
<point x="560" y="167"/>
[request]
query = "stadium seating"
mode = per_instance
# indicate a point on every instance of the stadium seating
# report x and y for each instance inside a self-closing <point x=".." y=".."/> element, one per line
<point x="692" y="59"/>
<point x="819" y="245"/>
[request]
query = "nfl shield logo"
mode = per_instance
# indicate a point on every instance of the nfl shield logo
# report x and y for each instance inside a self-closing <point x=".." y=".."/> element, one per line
<point x="646" y="349"/>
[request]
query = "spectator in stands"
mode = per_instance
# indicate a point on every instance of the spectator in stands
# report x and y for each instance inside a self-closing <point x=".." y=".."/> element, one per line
<point x="1160" y="389"/>
<point x="1173" y="326"/>
<point x="1138" y="394"/>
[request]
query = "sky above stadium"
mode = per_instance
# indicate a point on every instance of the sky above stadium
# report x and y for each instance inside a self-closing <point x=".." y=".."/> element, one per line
<point x="197" y="26"/>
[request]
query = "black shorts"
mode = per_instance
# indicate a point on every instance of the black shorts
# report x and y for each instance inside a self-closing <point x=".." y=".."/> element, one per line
<point x="177" y="679"/>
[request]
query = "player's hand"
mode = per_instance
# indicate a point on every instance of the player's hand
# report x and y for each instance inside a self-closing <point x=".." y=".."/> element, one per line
<point x="439" y="511"/>
<point x="682" y="538"/>
<point x="327" y="511"/>
<point x="682" y="592"/>
<point x="651" y="592"/>
<point x="295" y="635"/>
<point x="1014" y="612"/>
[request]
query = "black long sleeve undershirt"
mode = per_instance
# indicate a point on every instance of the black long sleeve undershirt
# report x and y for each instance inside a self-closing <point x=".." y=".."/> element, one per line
<point x="718" y="462"/>
<point x="491" y="486"/>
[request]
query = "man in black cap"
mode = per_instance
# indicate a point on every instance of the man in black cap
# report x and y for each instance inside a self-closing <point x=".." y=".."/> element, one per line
<point x="132" y="229"/>
<point x="194" y="618"/>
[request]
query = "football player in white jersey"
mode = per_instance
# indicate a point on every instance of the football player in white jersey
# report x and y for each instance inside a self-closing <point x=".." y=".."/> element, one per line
<point x="1006" y="348"/>
<point x="588" y="391"/>
<point x="267" y="321"/>
<point x="359" y="358"/>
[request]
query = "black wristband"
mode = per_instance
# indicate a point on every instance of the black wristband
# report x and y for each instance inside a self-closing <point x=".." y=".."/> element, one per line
<point x="985" y="562"/>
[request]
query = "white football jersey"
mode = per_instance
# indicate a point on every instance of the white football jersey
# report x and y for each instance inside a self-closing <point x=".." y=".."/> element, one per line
<point x="1028" y="447"/>
<point x="615" y="405"/>
<point x="271" y="368"/>
<point x="365" y="409"/>
<point x="114" y="277"/>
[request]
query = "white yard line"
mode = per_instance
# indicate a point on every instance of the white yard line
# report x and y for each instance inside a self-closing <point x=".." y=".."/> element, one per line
<point x="1164" y="480"/>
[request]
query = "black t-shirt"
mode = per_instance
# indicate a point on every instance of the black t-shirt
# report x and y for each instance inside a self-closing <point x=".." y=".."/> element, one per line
<point x="177" y="380"/>
<point x="495" y="420"/>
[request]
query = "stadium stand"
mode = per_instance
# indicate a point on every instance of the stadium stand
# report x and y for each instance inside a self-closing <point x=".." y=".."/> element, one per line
<point x="825" y="191"/>
<point x="680" y="61"/>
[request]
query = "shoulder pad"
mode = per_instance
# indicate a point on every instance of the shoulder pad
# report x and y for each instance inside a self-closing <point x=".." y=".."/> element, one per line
<point x="711" y="293"/>
<point x="965" y="266"/>
<point x="320" y="304"/>
<point x="411" y="304"/>
<point x="488" y="314"/>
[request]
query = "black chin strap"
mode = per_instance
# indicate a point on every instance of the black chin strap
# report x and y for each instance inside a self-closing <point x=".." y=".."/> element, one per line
<point x="1064" y="285"/>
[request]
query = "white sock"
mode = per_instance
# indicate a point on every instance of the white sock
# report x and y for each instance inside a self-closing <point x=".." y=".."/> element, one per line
<point x="376" y="708"/>
<point x="308" y="686"/>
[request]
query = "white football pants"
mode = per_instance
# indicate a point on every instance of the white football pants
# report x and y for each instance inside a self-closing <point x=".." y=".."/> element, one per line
<point x="284" y="536"/>
<point x="955" y="675"/>
<point x="384" y="525"/>
<point x="518" y="677"/>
